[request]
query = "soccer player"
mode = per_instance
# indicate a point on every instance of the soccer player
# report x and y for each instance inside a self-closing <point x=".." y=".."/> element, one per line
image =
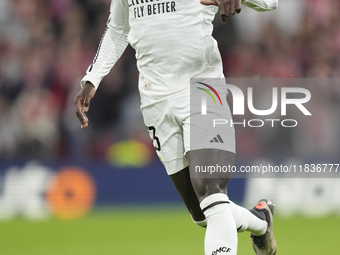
<point x="173" y="43"/>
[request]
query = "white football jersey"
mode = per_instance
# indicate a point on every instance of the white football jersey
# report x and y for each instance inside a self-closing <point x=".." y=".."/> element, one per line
<point x="172" y="39"/>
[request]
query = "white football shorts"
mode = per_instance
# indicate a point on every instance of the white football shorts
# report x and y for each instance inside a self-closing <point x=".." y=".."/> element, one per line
<point x="175" y="129"/>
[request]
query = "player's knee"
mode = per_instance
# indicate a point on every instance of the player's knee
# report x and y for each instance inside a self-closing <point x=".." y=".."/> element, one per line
<point x="216" y="186"/>
<point x="207" y="187"/>
<point x="212" y="177"/>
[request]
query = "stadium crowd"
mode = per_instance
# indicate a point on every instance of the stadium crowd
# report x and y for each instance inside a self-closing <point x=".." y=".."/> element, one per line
<point x="47" y="45"/>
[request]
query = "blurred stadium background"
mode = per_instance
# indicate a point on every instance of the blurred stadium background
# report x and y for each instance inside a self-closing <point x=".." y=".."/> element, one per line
<point x="102" y="190"/>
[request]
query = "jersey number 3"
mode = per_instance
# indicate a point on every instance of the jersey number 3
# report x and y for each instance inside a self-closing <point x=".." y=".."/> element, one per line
<point x="154" y="138"/>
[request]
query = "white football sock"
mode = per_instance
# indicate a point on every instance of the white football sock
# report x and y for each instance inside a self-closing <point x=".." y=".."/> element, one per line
<point x="221" y="234"/>
<point x="246" y="221"/>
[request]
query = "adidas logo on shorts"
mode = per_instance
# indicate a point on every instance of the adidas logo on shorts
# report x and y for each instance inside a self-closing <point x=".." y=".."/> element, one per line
<point x="217" y="139"/>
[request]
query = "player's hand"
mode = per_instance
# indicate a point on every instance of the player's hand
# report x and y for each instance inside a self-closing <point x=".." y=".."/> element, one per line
<point x="82" y="103"/>
<point x="227" y="7"/>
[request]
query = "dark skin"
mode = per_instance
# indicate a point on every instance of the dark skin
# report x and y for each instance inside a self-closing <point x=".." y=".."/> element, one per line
<point x="194" y="190"/>
<point x="227" y="7"/>
<point x="82" y="103"/>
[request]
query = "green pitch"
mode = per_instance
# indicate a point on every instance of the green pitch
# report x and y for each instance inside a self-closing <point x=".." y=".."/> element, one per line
<point x="167" y="231"/>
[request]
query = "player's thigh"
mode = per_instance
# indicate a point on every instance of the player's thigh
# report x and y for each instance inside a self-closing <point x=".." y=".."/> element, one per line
<point x="213" y="129"/>
<point x="210" y="171"/>
<point x="211" y="148"/>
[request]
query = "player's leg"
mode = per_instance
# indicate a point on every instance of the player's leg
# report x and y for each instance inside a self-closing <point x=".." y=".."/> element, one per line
<point x="221" y="233"/>
<point x="244" y="219"/>
<point x="207" y="145"/>
<point x="210" y="191"/>
<point x="259" y="220"/>
<point x="167" y="136"/>
<point x="182" y="182"/>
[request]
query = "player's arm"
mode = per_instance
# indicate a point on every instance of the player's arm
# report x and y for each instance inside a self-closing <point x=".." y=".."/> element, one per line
<point x="111" y="47"/>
